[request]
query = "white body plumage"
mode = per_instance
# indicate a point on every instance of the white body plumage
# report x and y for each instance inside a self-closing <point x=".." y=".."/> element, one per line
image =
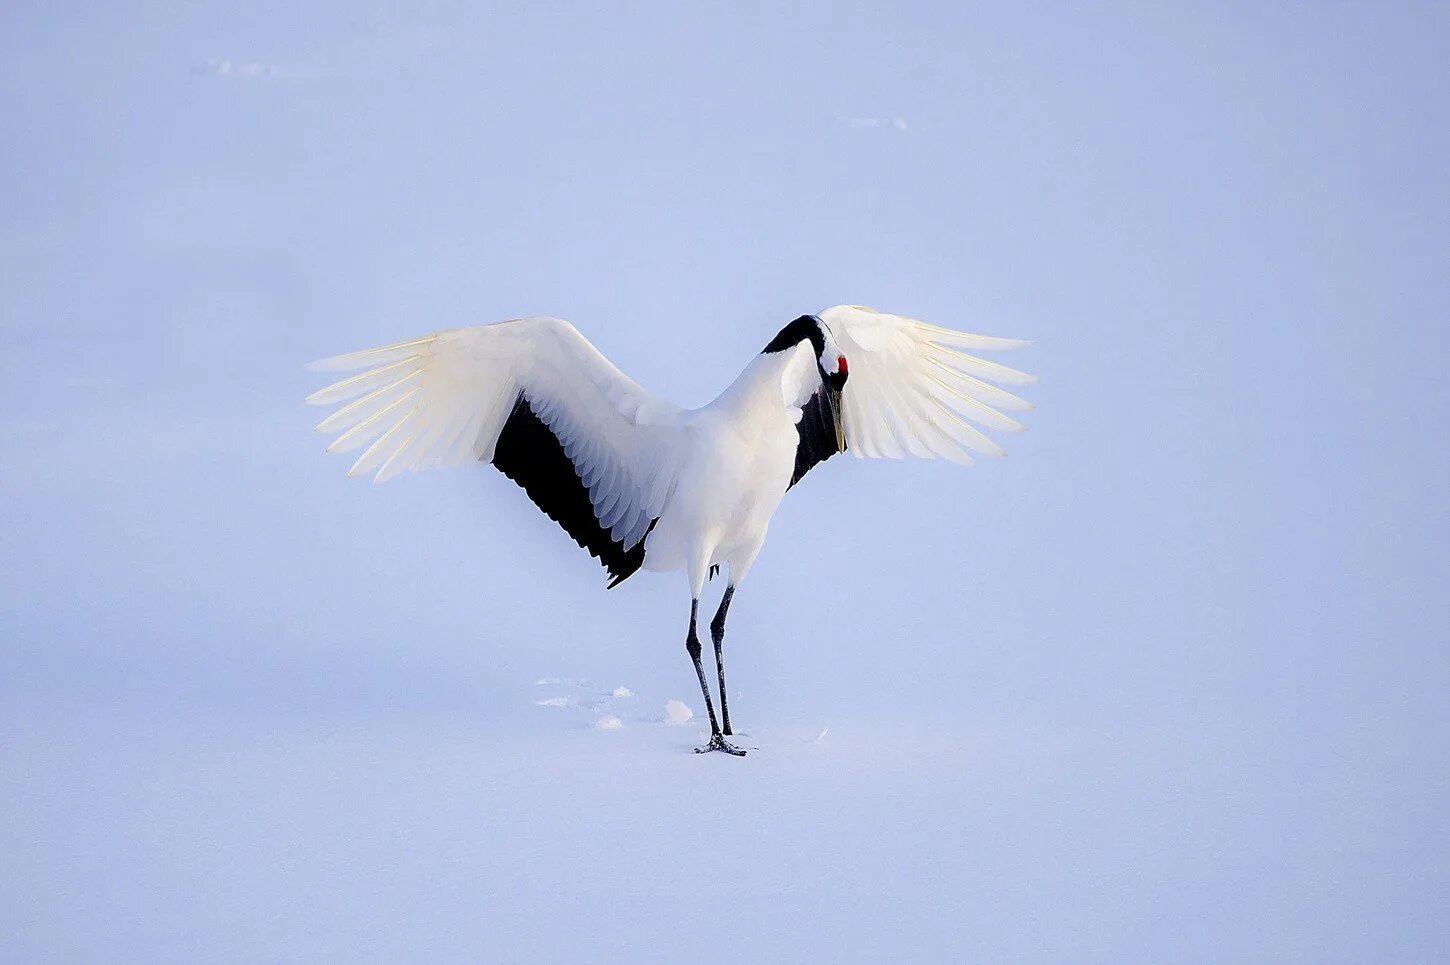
<point x="736" y="459"/>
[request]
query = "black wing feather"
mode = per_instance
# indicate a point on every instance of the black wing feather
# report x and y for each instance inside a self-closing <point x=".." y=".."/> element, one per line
<point x="531" y="455"/>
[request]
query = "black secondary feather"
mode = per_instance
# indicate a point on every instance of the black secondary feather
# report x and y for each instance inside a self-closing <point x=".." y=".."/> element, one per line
<point x="531" y="455"/>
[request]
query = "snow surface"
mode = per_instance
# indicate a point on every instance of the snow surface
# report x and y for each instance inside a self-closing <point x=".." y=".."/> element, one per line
<point x="1167" y="684"/>
<point x="197" y="836"/>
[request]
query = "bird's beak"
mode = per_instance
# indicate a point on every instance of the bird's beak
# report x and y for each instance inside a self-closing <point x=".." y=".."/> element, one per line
<point x="833" y="397"/>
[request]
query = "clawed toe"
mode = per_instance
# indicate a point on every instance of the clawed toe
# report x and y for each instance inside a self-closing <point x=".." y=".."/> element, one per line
<point x="719" y="743"/>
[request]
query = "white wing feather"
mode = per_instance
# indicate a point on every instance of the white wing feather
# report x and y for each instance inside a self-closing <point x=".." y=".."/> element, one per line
<point x="914" y="390"/>
<point x="442" y="401"/>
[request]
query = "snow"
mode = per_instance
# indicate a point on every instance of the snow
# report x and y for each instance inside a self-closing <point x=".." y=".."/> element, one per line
<point x="677" y="712"/>
<point x="193" y="837"/>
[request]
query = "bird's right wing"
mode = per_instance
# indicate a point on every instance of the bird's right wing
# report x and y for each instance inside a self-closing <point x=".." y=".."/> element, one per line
<point x="914" y="389"/>
<point x="592" y="449"/>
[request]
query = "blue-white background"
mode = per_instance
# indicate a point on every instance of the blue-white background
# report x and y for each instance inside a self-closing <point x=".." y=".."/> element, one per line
<point x="1167" y="683"/>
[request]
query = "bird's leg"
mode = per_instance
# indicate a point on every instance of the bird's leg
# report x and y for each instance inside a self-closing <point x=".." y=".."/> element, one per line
<point x="692" y="646"/>
<point x="717" y="631"/>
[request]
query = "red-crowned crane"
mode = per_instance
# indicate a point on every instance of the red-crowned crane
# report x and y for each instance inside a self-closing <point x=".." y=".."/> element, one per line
<point x="644" y="484"/>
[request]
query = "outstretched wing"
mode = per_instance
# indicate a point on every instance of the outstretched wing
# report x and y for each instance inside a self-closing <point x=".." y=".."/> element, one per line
<point x="914" y="390"/>
<point x="532" y="396"/>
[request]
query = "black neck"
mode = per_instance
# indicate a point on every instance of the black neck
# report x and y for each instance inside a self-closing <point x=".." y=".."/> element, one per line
<point x="805" y="328"/>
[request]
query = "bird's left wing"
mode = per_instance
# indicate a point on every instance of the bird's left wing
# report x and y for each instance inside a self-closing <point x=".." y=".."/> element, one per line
<point x="915" y="389"/>
<point x="592" y="449"/>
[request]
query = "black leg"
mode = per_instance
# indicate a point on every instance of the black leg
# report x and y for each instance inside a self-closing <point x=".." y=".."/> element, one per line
<point x="692" y="645"/>
<point x="717" y="630"/>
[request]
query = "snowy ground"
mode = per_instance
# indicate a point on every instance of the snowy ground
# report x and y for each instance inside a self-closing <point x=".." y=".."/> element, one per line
<point x="1166" y="684"/>
<point x="153" y="839"/>
<point x="535" y="834"/>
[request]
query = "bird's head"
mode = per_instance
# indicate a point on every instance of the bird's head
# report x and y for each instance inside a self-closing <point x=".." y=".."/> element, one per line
<point x="830" y="360"/>
<point x="831" y="363"/>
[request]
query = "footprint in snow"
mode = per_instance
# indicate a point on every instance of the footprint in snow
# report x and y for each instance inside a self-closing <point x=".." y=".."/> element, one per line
<point x="603" y="704"/>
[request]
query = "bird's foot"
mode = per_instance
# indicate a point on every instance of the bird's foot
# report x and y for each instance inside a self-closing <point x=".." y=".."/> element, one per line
<point x="719" y="743"/>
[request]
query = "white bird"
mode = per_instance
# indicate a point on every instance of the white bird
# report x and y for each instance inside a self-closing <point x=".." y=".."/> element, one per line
<point x="642" y="483"/>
